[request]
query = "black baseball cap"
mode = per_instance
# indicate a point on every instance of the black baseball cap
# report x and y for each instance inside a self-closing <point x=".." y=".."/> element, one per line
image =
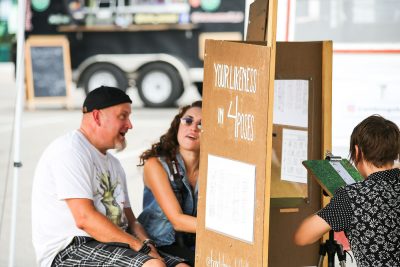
<point x="104" y="97"/>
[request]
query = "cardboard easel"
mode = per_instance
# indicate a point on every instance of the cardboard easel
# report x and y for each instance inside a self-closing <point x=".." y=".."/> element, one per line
<point x="233" y="207"/>
<point x="255" y="227"/>
<point x="291" y="202"/>
<point x="311" y="61"/>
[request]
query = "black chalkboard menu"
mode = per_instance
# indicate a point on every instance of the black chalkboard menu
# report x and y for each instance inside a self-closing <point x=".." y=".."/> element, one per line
<point x="48" y="68"/>
<point x="48" y="71"/>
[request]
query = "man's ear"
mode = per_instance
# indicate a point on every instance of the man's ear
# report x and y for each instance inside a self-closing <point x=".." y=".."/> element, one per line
<point x="96" y="117"/>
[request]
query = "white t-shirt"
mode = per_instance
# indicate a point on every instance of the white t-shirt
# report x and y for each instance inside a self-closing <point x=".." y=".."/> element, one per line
<point x="71" y="167"/>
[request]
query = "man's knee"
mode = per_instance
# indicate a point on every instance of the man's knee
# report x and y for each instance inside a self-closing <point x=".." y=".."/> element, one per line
<point x="154" y="263"/>
<point x="182" y="265"/>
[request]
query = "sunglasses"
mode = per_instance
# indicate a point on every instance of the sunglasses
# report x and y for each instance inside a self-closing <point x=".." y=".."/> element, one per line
<point x="187" y="121"/>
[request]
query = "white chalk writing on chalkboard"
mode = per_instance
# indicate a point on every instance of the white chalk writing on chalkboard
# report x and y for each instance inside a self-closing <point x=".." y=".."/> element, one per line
<point x="48" y="71"/>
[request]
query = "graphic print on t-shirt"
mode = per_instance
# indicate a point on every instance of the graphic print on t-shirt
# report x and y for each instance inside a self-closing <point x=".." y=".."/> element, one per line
<point x="106" y="191"/>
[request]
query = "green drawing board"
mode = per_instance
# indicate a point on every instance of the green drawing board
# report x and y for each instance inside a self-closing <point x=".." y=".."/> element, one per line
<point x="328" y="177"/>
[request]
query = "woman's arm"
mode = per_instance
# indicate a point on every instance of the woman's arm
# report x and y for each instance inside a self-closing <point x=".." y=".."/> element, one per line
<point x="156" y="179"/>
<point x="311" y="230"/>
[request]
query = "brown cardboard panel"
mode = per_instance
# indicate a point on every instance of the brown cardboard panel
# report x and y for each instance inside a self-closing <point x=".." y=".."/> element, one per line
<point x="271" y="23"/>
<point x="257" y="21"/>
<point x="231" y="36"/>
<point x="312" y="61"/>
<point x="279" y="187"/>
<point x="286" y="192"/>
<point x="245" y="136"/>
<point x="262" y="22"/>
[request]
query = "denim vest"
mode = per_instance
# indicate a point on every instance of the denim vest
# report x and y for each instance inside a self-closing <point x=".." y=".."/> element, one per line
<point x="153" y="218"/>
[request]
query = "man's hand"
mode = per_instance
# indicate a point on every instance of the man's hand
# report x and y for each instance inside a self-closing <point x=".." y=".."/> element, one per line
<point x="154" y="253"/>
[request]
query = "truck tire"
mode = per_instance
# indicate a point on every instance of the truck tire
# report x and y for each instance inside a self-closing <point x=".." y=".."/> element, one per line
<point x="159" y="85"/>
<point x="104" y="74"/>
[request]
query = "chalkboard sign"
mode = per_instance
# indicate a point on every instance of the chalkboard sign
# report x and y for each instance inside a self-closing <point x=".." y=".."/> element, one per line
<point x="48" y="69"/>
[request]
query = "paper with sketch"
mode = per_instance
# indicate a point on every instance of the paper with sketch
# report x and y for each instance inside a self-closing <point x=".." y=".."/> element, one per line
<point x="294" y="152"/>
<point x="230" y="197"/>
<point x="342" y="172"/>
<point x="291" y="102"/>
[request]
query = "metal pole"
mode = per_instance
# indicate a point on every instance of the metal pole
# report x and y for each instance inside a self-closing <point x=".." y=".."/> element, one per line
<point x="20" y="86"/>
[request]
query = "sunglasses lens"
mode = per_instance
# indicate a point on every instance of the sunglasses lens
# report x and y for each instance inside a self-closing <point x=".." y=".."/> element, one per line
<point x="187" y="121"/>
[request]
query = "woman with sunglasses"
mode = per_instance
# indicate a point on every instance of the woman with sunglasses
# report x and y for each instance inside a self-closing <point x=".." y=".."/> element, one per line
<point x="171" y="168"/>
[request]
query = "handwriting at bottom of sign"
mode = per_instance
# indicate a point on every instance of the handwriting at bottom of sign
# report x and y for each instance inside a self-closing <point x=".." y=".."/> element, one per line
<point x="219" y="260"/>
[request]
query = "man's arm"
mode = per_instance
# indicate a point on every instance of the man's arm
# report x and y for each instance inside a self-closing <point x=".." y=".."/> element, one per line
<point x="137" y="230"/>
<point x="135" y="227"/>
<point x="88" y="219"/>
<point x="311" y="230"/>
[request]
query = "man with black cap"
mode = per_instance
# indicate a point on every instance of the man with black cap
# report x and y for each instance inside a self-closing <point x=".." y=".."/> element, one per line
<point x="81" y="215"/>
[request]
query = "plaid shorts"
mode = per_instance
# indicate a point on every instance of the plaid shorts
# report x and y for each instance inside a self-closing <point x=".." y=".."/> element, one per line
<point x="85" y="251"/>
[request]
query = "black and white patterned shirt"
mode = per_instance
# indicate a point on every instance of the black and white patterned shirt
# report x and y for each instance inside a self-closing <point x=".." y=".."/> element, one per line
<point x="369" y="214"/>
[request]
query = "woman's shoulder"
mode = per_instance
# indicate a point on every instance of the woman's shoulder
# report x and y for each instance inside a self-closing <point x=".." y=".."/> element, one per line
<point x="153" y="163"/>
<point x="153" y="170"/>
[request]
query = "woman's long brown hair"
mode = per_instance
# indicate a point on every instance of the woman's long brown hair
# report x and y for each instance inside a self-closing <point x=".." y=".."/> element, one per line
<point x="168" y="144"/>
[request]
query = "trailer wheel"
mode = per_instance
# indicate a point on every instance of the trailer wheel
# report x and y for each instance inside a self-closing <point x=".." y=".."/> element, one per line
<point x="159" y="85"/>
<point x="104" y="74"/>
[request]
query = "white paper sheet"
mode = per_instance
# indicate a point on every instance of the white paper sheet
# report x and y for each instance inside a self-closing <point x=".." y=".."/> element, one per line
<point x="294" y="152"/>
<point x="342" y="172"/>
<point x="230" y="198"/>
<point x="291" y="102"/>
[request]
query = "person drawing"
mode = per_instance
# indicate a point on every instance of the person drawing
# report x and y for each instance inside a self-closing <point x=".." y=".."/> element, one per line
<point x="368" y="211"/>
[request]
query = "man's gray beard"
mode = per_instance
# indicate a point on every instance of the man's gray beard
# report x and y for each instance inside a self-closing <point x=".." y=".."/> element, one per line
<point x="120" y="146"/>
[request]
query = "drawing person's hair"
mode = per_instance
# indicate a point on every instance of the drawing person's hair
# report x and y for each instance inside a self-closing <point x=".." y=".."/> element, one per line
<point x="378" y="141"/>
